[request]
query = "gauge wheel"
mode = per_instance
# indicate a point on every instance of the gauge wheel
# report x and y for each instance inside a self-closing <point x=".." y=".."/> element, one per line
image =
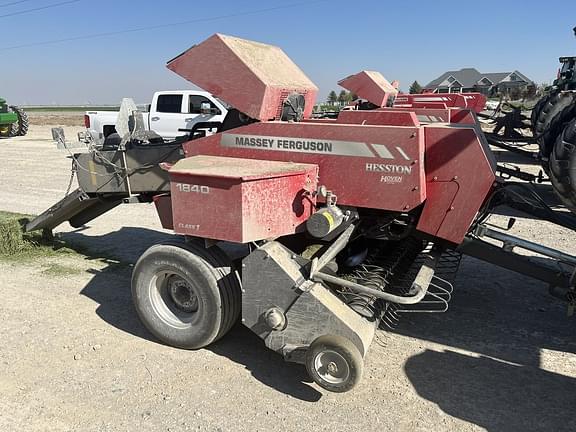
<point x="334" y="363"/>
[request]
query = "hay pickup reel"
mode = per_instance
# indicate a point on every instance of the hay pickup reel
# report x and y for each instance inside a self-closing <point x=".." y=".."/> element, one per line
<point x="314" y="232"/>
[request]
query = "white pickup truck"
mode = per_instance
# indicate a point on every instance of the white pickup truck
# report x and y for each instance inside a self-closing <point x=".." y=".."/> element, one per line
<point x="169" y="112"/>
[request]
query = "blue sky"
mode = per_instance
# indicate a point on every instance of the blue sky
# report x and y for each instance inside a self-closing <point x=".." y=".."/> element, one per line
<point x="405" y="40"/>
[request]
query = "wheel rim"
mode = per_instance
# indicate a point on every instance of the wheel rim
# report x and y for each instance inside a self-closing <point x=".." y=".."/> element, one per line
<point x="332" y="367"/>
<point x="174" y="299"/>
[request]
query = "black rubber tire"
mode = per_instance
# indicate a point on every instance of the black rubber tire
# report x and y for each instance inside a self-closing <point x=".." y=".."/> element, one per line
<point x="536" y="111"/>
<point x="23" y="123"/>
<point x="213" y="280"/>
<point x="563" y="166"/>
<point x="13" y="129"/>
<point x="558" y="109"/>
<point x="347" y="351"/>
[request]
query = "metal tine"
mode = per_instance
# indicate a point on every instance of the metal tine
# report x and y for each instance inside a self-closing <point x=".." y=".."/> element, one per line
<point x="390" y="324"/>
<point x="441" y="292"/>
<point x="440" y="300"/>
<point x="449" y="285"/>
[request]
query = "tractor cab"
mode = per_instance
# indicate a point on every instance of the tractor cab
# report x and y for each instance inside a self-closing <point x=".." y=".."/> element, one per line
<point x="566" y="74"/>
<point x="13" y="120"/>
<point x="7" y="118"/>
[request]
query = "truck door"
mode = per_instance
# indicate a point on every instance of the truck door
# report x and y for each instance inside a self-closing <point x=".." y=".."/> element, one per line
<point x="168" y="115"/>
<point x="197" y="110"/>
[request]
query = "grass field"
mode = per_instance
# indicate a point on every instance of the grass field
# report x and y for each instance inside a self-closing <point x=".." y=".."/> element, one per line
<point x="71" y="109"/>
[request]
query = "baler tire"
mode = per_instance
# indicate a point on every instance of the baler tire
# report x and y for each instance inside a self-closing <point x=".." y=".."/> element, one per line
<point x="558" y="109"/>
<point x="563" y="166"/>
<point x="166" y="273"/>
<point x="334" y="349"/>
<point x="23" y="122"/>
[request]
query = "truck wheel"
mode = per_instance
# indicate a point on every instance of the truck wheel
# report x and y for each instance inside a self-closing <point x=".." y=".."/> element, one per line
<point x="334" y="363"/>
<point x="187" y="296"/>
<point x="23" y="122"/>
<point x="557" y="110"/>
<point x="563" y="166"/>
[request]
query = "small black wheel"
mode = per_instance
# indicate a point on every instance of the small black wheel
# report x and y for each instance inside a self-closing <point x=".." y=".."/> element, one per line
<point x="334" y="363"/>
<point x="186" y="295"/>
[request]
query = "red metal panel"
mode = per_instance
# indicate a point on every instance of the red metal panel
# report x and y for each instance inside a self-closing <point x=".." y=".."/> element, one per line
<point x="163" y="205"/>
<point x="383" y="116"/>
<point x="425" y="115"/>
<point x="473" y="101"/>
<point x="459" y="177"/>
<point x="429" y="105"/>
<point x="371" y="86"/>
<point x="463" y="116"/>
<point x="241" y="200"/>
<point x="368" y="166"/>
<point x="253" y="77"/>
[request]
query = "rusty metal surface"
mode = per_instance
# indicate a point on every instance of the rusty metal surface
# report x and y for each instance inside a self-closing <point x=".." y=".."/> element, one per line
<point x="253" y="77"/>
<point x="254" y="200"/>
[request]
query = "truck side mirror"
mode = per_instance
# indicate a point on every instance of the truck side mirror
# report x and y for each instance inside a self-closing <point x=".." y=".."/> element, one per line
<point x="205" y="108"/>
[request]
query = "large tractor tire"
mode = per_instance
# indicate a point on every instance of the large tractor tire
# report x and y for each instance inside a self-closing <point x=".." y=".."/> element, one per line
<point x="186" y="295"/>
<point x="563" y="166"/>
<point x="536" y="111"/>
<point x="558" y="109"/>
<point x="23" y="122"/>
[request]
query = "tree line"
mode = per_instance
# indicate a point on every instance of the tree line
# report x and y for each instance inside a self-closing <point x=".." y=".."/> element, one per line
<point x="343" y="98"/>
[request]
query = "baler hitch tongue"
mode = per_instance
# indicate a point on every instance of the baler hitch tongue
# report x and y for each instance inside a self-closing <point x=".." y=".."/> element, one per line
<point x="558" y="269"/>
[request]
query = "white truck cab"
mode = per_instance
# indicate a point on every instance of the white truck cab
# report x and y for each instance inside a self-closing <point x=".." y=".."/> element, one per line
<point x="170" y="114"/>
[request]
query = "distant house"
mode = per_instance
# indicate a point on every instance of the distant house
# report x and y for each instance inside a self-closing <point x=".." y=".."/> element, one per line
<point x="470" y="80"/>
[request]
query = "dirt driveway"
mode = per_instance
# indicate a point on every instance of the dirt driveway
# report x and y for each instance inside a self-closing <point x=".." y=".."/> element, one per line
<point x="74" y="357"/>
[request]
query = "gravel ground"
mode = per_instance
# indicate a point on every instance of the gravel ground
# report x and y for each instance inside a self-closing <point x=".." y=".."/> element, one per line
<point x="74" y="356"/>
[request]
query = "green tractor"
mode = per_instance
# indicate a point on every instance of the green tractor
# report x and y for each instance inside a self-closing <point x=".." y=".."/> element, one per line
<point x="554" y="128"/>
<point x="13" y="120"/>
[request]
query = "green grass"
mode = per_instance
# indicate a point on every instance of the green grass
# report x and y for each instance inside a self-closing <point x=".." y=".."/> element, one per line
<point x="13" y="240"/>
<point x="17" y="245"/>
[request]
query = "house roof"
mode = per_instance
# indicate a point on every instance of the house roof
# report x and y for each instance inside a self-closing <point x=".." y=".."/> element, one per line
<point x="469" y="77"/>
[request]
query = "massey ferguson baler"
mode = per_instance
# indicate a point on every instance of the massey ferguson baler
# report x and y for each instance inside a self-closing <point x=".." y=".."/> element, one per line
<point x="314" y="232"/>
